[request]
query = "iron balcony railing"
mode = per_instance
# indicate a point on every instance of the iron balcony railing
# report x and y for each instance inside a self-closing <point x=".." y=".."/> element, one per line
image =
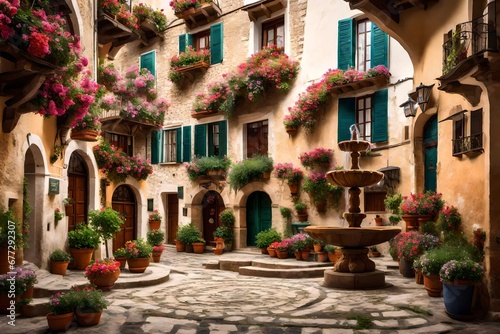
<point x="470" y="38"/>
<point x="468" y="144"/>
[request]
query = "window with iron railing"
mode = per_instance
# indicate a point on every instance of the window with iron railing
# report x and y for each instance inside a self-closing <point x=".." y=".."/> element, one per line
<point x="463" y="144"/>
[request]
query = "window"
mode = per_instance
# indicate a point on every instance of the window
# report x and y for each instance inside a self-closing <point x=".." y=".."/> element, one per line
<point x="123" y="143"/>
<point x="463" y="143"/>
<point x="171" y="145"/>
<point x="211" y="39"/>
<point x="257" y="138"/>
<point x="210" y="139"/>
<point x="363" y="44"/>
<point x="364" y="117"/>
<point x="374" y="201"/>
<point x="273" y="33"/>
<point x="148" y="61"/>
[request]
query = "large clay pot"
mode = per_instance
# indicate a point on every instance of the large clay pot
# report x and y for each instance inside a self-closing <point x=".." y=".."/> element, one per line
<point x="81" y="257"/>
<point x="122" y="260"/>
<point x="458" y="298"/>
<point x="306" y="254"/>
<point x="179" y="246"/>
<point x="60" y="322"/>
<point x="433" y="285"/>
<point x="271" y="251"/>
<point x="154" y="224"/>
<point x="88" y="319"/>
<point x="411" y="222"/>
<point x="138" y="265"/>
<point x="156" y="256"/>
<point x="106" y="282"/>
<point x="281" y="254"/>
<point x="58" y="267"/>
<point x="198" y="247"/>
<point x="298" y="255"/>
<point x="322" y="257"/>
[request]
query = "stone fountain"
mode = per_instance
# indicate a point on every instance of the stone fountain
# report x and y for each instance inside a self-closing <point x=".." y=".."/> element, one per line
<point x="354" y="270"/>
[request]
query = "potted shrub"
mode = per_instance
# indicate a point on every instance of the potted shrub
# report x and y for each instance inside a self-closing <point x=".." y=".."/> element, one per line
<point x="332" y="253"/>
<point x="318" y="158"/>
<point x="460" y="279"/>
<point x="374" y="251"/>
<point x="155" y="220"/>
<point x="301" y="246"/>
<point x="138" y="252"/>
<point x="286" y="212"/>
<point x="157" y="251"/>
<point x="318" y="245"/>
<point x="155" y="238"/>
<point x="292" y="175"/>
<point x="82" y="242"/>
<point x="208" y="166"/>
<point x="188" y="234"/>
<point x="58" y="216"/>
<point x="420" y="208"/>
<point x="301" y="209"/>
<point x="248" y="170"/>
<point x="91" y="303"/>
<point x="103" y="273"/>
<point x="283" y="248"/>
<point x="411" y="245"/>
<point x="318" y="188"/>
<point x="106" y="222"/>
<point x="120" y="255"/>
<point x="449" y="220"/>
<point x="59" y="261"/>
<point x="199" y="246"/>
<point x="265" y="238"/>
<point x="16" y="286"/>
<point x="227" y="220"/>
<point x="62" y="307"/>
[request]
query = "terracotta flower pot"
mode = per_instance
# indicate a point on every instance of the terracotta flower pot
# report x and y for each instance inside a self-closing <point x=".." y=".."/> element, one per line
<point x="281" y="254"/>
<point x="198" y="247"/>
<point x="81" y="257"/>
<point x="322" y="257"/>
<point x="291" y="130"/>
<point x="317" y="247"/>
<point x="306" y="254"/>
<point x="271" y="251"/>
<point x="263" y="250"/>
<point x="58" y="268"/>
<point x="107" y="281"/>
<point x="154" y="224"/>
<point x="433" y="285"/>
<point x="298" y="255"/>
<point x="156" y="256"/>
<point x="85" y="135"/>
<point x="179" y="246"/>
<point x="138" y="265"/>
<point x="60" y="322"/>
<point x="88" y="319"/>
<point x="122" y="260"/>
<point x="294" y="188"/>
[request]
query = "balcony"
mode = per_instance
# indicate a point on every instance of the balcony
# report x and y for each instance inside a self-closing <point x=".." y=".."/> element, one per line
<point x="112" y="120"/>
<point x="472" y="45"/>
<point x="470" y="146"/>
<point x="360" y="87"/>
<point x="112" y="32"/>
<point x="149" y="34"/>
<point x="389" y="9"/>
<point x="207" y="12"/>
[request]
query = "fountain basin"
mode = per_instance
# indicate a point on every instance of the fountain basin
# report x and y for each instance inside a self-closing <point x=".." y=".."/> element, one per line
<point x="354" y="145"/>
<point x="354" y="177"/>
<point x="352" y="237"/>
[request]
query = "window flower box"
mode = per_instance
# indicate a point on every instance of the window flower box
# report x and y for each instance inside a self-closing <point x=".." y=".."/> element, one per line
<point x="203" y="113"/>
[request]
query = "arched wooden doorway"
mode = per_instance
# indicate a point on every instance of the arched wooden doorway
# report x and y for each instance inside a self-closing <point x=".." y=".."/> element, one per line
<point x="213" y="205"/>
<point x="124" y="201"/>
<point x="78" y="182"/>
<point x="430" y="144"/>
<point x="259" y="215"/>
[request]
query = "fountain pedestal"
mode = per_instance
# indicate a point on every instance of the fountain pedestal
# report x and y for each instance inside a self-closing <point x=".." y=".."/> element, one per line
<point x="358" y="281"/>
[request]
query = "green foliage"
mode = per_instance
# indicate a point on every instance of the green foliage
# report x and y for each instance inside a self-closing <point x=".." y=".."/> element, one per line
<point x="362" y="321"/>
<point x="394" y="220"/>
<point x="138" y="248"/>
<point x="10" y="234"/>
<point x="107" y="222"/>
<point x="224" y="232"/>
<point x="393" y="202"/>
<point x="329" y="248"/>
<point x="286" y="212"/>
<point x="89" y="299"/>
<point x="249" y="170"/>
<point x="120" y="253"/>
<point x="27" y="208"/>
<point x="467" y="270"/>
<point x="227" y="218"/>
<point x="83" y="236"/>
<point x="188" y="234"/>
<point x="265" y="238"/>
<point x="60" y="256"/>
<point x="433" y="260"/>
<point x="62" y="303"/>
<point x="155" y="237"/>
<point x="300" y="206"/>
<point x="200" y="166"/>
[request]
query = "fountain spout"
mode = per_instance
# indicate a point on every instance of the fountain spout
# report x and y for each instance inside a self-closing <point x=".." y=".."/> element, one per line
<point x="354" y="132"/>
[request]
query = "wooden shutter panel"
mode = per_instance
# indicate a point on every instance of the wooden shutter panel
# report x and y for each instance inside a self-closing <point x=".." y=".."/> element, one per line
<point x="186" y="144"/>
<point x="178" y="145"/>
<point x="148" y="61"/>
<point x="346" y="51"/>
<point x="222" y="138"/>
<point x="347" y="117"/>
<point x="184" y="41"/>
<point x="380" y="117"/>
<point x="155" y="146"/>
<point x="380" y="47"/>
<point x="200" y="140"/>
<point x="216" y="43"/>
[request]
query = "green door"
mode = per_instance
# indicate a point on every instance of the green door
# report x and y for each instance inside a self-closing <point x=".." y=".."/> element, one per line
<point x="430" y="144"/>
<point x="258" y="215"/>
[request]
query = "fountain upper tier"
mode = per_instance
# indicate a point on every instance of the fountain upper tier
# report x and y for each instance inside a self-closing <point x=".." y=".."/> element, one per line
<point x="354" y="145"/>
<point x="354" y="177"/>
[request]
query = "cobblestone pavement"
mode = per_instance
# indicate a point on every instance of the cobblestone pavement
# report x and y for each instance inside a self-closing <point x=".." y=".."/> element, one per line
<point x="198" y="300"/>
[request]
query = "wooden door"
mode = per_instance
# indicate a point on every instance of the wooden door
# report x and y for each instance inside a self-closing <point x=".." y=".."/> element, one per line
<point x="213" y="205"/>
<point x="259" y="215"/>
<point x="430" y="144"/>
<point x="124" y="202"/>
<point x="77" y="191"/>
<point x="172" y="217"/>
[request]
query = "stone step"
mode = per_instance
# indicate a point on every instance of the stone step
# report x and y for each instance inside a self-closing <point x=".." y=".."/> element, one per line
<point x="37" y="308"/>
<point x="283" y="273"/>
<point x="288" y="264"/>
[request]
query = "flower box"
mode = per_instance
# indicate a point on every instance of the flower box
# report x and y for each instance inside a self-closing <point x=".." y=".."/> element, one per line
<point x="204" y="113"/>
<point x="356" y="86"/>
<point x="85" y="135"/>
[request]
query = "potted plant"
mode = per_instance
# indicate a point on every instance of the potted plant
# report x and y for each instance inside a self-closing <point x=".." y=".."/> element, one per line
<point x="265" y="238"/>
<point x="182" y="6"/>
<point x="301" y="209"/>
<point x="318" y="188"/>
<point x="59" y="261"/>
<point x="16" y="286"/>
<point x="91" y="303"/>
<point x="58" y="216"/>
<point x="449" y="220"/>
<point x="120" y="255"/>
<point x="318" y="158"/>
<point x="188" y="234"/>
<point x="103" y="273"/>
<point x="138" y="252"/>
<point x="283" y="248"/>
<point x="420" y="208"/>
<point x="82" y="242"/>
<point x="227" y="220"/>
<point x="286" y="213"/>
<point x="155" y="238"/>
<point x="412" y="245"/>
<point x="374" y="251"/>
<point x="106" y="222"/>
<point x="154" y="220"/>
<point x="208" y="166"/>
<point x="378" y="220"/>
<point x="199" y="246"/>
<point x="332" y="253"/>
<point x="249" y="170"/>
<point x="88" y="128"/>
<point x="188" y="60"/>
<point x="292" y="175"/>
<point x="62" y="307"/>
<point x="460" y="279"/>
<point x="301" y="245"/>
<point x="318" y="245"/>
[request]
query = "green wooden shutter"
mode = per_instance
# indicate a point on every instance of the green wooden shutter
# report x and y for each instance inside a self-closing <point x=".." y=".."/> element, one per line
<point x="200" y="140"/>
<point x="380" y="117"/>
<point x="186" y="144"/>
<point x="184" y="41"/>
<point x="148" y="61"/>
<point x="346" y="51"/>
<point x="155" y="146"/>
<point x="222" y="138"/>
<point x="380" y="47"/>
<point x="178" y="145"/>
<point x="216" y="43"/>
<point x="347" y="117"/>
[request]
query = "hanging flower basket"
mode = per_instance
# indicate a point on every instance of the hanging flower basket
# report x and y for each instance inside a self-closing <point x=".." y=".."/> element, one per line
<point x="85" y="135"/>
